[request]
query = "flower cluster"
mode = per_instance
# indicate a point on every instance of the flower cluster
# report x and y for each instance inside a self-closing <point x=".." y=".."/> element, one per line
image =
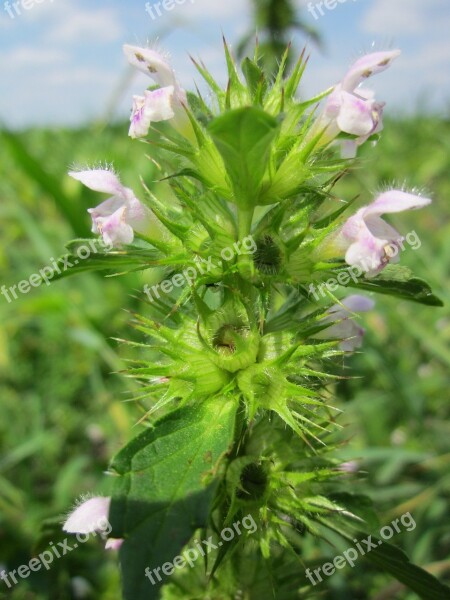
<point x="242" y="349"/>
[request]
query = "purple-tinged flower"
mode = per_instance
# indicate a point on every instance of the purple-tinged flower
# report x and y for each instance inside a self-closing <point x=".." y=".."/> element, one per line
<point x="352" y="110"/>
<point x="164" y="104"/>
<point x="118" y="217"/>
<point x="152" y="63"/>
<point x="92" y="516"/>
<point x="344" y="327"/>
<point x="113" y="544"/>
<point x="152" y="107"/>
<point x="369" y="242"/>
<point x="350" y="466"/>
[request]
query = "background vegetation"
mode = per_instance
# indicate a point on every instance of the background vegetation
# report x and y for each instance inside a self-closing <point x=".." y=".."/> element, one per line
<point x="63" y="396"/>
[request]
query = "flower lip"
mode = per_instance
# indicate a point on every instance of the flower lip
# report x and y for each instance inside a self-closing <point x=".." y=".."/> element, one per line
<point x="366" y="236"/>
<point x="152" y="63"/>
<point x="366" y="66"/>
<point x="119" y="216"/>
<point x="100" y="180"/>
<point x="89" y="516"/>
<point x="154" y="106"/>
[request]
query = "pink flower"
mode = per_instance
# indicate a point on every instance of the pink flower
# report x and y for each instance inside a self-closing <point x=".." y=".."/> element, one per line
<point x="369" y="242"/>
<point x="118" y="217"/>
<point x="152" y="107"/>
<point x="344" y="327"/>
<point x="163" y="104"/>
<point x="353" y="110"/>
<point x="113" y="544"/>
<point x="351" y="466"/>
<point x="92" y="516"/>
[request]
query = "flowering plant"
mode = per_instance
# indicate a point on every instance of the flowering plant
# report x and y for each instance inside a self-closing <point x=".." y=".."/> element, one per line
<point x="235" y="370"/>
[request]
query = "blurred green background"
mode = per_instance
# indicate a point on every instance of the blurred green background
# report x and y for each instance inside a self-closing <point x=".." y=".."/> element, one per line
<point x="63" y="398"/>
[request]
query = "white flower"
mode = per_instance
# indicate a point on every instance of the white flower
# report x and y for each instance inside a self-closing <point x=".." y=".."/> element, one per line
<point x="164" y="104"/>
<point x="366" y="239"/>
<point x="352" y="110"/>
<point x="118" y="217"/>
<point x="152" y="107"/>
<point x="88" y="517"/>
<point x="92" y="516"/>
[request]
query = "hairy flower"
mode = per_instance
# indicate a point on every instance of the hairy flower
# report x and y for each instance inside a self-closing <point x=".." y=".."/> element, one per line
<point x="369" y="242"/>
<point x="152" y="63"/>
<point x="118" y="217"/>
<point x="352" y="110"/>
<point x="91" y="516"/>
<point x="152" y="107"/>
<point x="344" y="326"/>
<point x="163" y="104"/>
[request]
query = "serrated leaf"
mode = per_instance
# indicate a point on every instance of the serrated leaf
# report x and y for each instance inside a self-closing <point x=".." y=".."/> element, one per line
<point x="166" y="487"/>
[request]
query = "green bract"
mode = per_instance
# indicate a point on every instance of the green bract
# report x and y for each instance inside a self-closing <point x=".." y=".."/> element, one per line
<point x="235" y="364"/>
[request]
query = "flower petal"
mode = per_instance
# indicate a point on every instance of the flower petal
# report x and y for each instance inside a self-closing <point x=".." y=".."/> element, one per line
<point x="115" y="230"/>
<point x="154" y="106"/>
<point x="89" y="516"/>
<point x="138" y="216"/>
<point x="366" y="66"/>
<point x="381" y="230"/>
<point x="356" y="115"/>
<point x="395" y="201"/>
<point x="100" y="180"/>
<point x="368" y="253"/>
<point x="151" y="63"/>
<point x="358" y="303"/>
<point x="113" y="544"/>
<point x="140" y="123"/>
<point x="346" y="328"/>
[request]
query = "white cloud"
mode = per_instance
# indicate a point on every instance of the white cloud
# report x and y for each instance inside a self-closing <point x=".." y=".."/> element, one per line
<point x="405" y="17"/>
<point x="79" y="75"/>
<point x="213" y="9"/>
<point x="101" y="25"/>
<point x="28" y="56"/>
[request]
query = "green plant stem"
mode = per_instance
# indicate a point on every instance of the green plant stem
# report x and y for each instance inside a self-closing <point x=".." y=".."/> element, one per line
<point x="245" y="261"/>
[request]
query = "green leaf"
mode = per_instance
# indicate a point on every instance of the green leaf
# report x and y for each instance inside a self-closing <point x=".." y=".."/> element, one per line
<point x="243" y="138"/>
<point x="255" y="79"/>
<point x="397" y="281"/>
<point x="116" y="262"/>
<point x="395" y="561"/>
<point x="165" y="489"/>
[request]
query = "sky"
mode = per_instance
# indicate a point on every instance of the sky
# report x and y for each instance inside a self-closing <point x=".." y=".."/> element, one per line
<point x="61" y="61"/>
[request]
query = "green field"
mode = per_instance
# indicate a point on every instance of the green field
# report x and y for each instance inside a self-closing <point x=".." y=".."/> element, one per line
<point x="64" y="398"/>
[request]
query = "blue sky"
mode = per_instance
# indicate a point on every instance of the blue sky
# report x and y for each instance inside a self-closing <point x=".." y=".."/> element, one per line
<point x="62" y="62"/>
